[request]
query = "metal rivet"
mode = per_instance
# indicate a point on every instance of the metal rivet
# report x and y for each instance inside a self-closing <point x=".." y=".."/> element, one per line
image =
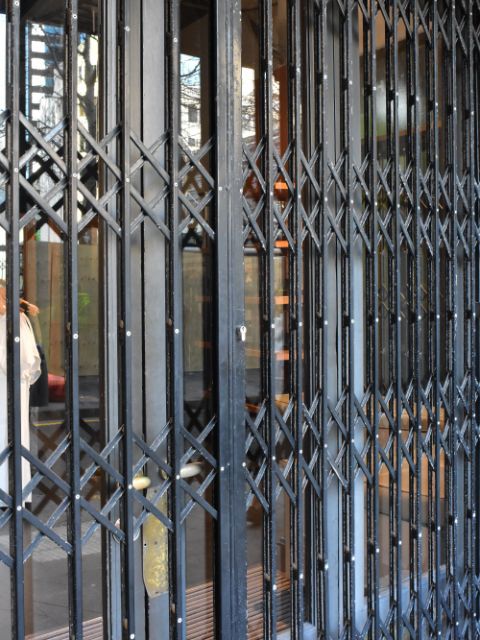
<point x="301" y="576"/>
<point x="130" y="487"/>
<point x="74" y="16"/>
<point x="272" y="326"/>
<point x="75" y="336"/>
<point x="175" y="184"/>
<point x="353" y="558"/>
<point x="177" y="331"/>
<point x="244" y="464"/>
<point x="132" y="636"/>
<point x="420" y="535"/>
<point x="325" y="322"/>
<point x="17" y="339"/>
<point x="129" y="333"/>
<point x="352" y="321"/>
<point x="177" y="477"/>
<point x="127" y="179"/>
<point x="377" y="550"/>
<point x="274" y="587"/>
<point x="175" y="39"/>
<point x="300" y="451"/>
<point x="222" y="468"/>
<point x="179" y="620"/>
<point x="19" y="508"/>
<point x="15" y="170"/>
<point x="326" y="566"/>
<point x="300" y="324"/>
<point x="325" y="77"/>
<point x="273" y="458"/>
<point x="127" y="29"/>
<point x="325" y="445"/>
<point x="399" y="543"/>
<point x="77" y="497"/>
<point x="376" y="319"/>
<point x="220" y="188"/>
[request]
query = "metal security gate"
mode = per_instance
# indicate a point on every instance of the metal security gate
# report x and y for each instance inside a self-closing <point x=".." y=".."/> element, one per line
<point x="238" y="296"/>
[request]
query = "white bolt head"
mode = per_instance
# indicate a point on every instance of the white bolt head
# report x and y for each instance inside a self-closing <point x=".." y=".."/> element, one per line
<point x="17" y="339"/>
<point x="19" y="508"/>
<point x="274" y="587"/>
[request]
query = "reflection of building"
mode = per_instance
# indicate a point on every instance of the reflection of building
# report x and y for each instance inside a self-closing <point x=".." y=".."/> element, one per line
<point x="190" y="113"/>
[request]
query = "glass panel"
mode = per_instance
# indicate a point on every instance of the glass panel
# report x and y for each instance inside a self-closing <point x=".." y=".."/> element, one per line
<point x="196" y="112"/>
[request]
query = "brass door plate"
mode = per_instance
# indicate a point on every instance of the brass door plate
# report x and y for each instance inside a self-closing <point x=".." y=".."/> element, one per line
<point x="155" y="548"/>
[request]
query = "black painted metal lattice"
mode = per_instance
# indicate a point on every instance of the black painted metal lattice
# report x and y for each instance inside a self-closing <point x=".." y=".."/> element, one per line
<point x="371" y="444"/>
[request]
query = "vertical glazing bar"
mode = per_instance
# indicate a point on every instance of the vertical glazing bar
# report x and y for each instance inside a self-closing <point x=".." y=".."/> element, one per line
<point x="13" y="319"/>
<point x="71" y="333"/>
<point x="298" y="532"/>
<point x="175" y="321"/>
<point x="125" y="328"/>
<point x="270" y="537"/>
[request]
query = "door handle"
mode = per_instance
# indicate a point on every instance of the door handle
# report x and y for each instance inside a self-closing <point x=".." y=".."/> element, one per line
<point x="189" y="470"/>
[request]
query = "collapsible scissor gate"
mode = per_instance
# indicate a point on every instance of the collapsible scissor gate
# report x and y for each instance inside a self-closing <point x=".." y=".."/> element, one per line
<point x="363" y="467"/>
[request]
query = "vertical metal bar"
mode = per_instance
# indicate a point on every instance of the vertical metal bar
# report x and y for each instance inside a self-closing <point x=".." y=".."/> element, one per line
<point x="324" y="338"/>
<point x="437" y="384"/>
<point x="13" y="318"/>
<point x="414" y="95"/>
<point x="453" y="222"/>
<point x="71" y="317"/>
<point x="269" y="536"/>
<point x="175" y="321"/>
<point x="230" y="584"/>
<point x="349" y="375"/>
<point x="471" y="312"/>
<point x="398" y="394"/>
<point x="297" y="569"/>
<point x="374" y="517"/>
<point x="125" y="324"/>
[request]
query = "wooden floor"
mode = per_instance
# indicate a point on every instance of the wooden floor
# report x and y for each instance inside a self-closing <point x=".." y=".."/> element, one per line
<point x="200" y="611"/>
<point x="92" y="630"/>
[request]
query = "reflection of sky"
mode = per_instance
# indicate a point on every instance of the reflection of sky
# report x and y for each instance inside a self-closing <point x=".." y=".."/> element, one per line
<point x="2" y="61"/>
